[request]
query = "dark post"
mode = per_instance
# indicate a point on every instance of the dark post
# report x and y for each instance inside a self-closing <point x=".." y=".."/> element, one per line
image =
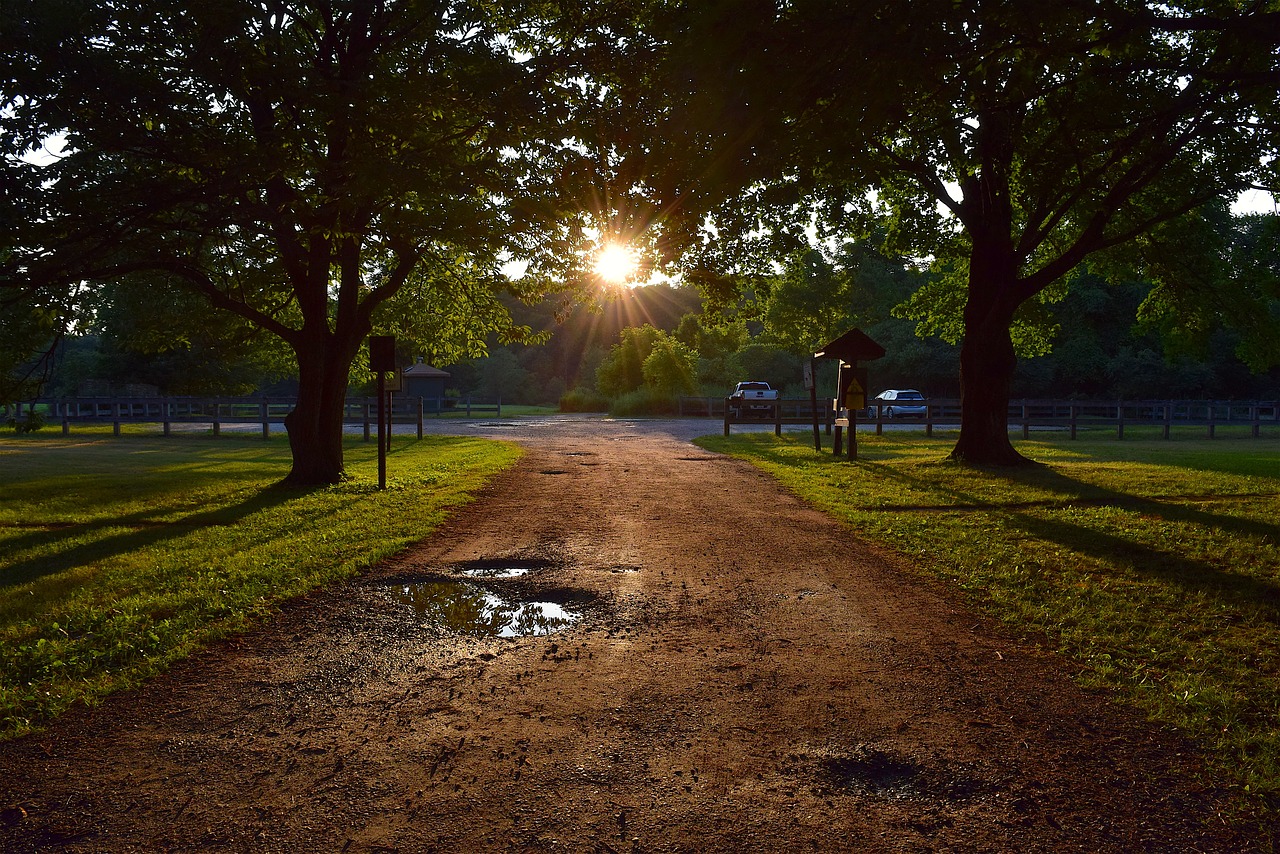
<point x="382" y="358"/>
<point x="382" y="430"/>
<point x="811" y="383"/>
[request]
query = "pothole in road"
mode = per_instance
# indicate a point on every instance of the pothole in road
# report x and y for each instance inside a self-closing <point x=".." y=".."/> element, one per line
<point x="882" y="774"/>
<point x="875" y="772"/>
<point x="471" y="610"/>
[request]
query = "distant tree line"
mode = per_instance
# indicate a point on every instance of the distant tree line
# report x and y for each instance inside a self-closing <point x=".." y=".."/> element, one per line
<point x="639" y="349"/>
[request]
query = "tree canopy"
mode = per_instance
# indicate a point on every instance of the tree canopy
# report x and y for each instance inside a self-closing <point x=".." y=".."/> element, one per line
<point x="297" y="165"/>
<point x="1004" y="142"/>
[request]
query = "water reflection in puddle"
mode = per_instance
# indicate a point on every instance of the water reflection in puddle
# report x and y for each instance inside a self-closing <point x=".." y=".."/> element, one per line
<point x="472" y="610"/>
<point x="497" y="571"/>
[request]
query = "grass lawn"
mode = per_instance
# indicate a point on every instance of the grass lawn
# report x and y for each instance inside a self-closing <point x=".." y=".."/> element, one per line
<point x="120" y="555"/>
<point x="1152" y="564"/>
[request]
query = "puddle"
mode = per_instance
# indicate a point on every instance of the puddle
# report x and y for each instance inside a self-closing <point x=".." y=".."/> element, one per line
<point x="502" y="567"/>
<point x="472" y="610"/>
<point x="497" y="571"/>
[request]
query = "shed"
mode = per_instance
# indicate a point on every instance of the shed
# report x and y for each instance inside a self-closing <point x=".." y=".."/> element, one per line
<point x="422" y="380"/>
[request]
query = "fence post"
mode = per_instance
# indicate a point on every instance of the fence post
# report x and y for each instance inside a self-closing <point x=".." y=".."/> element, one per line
<point x="115" y="418"/>
<point x="366" y="419"/>
<point x="928" y="420"/>
<point x="499" y="415"/>
<point x="1168" y="420"/>
<point x="1212" y="425"/>
<point x="1120" y="419"/>
<point x="1255" y="418"/>
<point x="266" y="418"/>
<point x="1072" y="414"/>
<point x="726" y="416"/>
<point x="777" y="417"/>
<point x="1026" y="425"/>
<point x="217" y="418"/>
<point x="419" y="418"/>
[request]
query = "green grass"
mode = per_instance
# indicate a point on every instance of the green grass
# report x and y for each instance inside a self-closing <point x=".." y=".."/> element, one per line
<point x="120" y="555"/>
<point x="1153" y="564"/>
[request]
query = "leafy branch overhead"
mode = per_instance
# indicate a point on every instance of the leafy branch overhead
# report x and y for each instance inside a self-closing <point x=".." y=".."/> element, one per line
<point x="297" y="165"/>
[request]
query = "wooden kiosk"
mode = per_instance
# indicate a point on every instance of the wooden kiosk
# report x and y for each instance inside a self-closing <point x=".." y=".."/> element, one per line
<point x="851" y="384"/>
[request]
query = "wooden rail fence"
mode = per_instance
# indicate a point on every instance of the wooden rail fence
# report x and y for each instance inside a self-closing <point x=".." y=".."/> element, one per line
<point x="216" y="412"/>
<point x="1029" y="414"/>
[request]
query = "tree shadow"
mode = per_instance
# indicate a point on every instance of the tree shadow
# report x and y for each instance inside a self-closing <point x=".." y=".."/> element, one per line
<point x="143" y="531"/>
<point x="1190" y="574"/>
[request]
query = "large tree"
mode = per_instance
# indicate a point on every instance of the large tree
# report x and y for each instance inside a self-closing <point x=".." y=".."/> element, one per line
<point x="296" y="163"/>
<point x="1006" y="141"/>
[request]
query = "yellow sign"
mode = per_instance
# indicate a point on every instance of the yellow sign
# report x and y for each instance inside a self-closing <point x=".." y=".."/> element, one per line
<point x="855" y="397"/>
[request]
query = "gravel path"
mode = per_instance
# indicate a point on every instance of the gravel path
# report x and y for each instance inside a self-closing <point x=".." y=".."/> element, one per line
<point x="737" y="672"/>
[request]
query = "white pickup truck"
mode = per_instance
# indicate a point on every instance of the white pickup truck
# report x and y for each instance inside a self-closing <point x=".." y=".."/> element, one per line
<point x="752" y="398"/>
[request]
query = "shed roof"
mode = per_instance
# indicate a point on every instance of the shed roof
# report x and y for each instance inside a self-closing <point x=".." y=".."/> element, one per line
<point x="425" y="371"/>
<point x="853" y="346"/>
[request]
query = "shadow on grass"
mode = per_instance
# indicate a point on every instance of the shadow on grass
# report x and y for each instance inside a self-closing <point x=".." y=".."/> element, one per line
<point x="1188" y="573"/>
<point x="144" y="532"/>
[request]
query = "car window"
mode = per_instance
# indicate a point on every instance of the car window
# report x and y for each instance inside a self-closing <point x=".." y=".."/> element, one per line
<point x="910" y="395"/>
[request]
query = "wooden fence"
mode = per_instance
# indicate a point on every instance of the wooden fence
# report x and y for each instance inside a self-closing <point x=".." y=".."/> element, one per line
<point x="1029" y="414"/>
<point x="217" y="412"/>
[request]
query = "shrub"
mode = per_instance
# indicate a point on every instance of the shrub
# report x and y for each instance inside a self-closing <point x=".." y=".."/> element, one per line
<point x="583" y="400"/>
<point x="643" y="401"/>
<point x="32" y="421"/>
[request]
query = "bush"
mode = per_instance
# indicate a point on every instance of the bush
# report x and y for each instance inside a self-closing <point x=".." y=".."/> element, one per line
<point x="29" y="423"/>
<point x="583" y="400"/>
<point x="643" y="401"/>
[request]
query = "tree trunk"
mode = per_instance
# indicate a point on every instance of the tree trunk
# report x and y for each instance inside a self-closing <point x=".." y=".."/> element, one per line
<point x="315" y="424"/>
<point x="986" y="374"/>
<point x="987" y="360"/>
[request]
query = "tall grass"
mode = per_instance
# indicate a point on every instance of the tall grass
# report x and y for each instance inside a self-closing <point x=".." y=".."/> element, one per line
<point x="118" y="556"/>
<point x="1153" y="564"/>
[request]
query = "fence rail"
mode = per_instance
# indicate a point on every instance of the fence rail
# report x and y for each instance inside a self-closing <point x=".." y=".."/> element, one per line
<point x="1025" y="414"/>
<point x="216" y="412"/>
<point x="1028" y="414"/>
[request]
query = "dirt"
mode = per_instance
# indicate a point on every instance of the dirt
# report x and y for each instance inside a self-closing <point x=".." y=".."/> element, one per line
<point x="743" y="674"/>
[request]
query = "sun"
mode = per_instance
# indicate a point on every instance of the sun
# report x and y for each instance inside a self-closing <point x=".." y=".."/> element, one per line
<point x="616" y="264"/>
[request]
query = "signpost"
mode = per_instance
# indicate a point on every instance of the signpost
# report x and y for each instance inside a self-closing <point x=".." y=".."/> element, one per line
<point x="382" y="359"/>
<point x="851" y="383"/>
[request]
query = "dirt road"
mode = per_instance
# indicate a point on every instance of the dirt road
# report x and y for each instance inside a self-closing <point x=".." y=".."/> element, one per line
<point x="740" y="673"/>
